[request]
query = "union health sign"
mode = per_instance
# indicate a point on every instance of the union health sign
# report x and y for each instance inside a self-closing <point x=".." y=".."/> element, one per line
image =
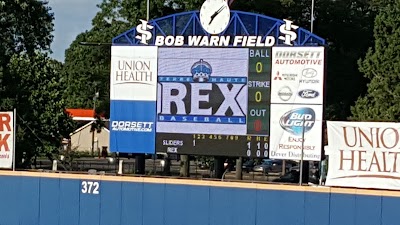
<point x="133" y="92"/>
<point x="364" y="155"/>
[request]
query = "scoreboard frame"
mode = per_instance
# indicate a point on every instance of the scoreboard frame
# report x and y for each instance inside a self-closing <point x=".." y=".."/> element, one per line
<point x="255" y="132"/>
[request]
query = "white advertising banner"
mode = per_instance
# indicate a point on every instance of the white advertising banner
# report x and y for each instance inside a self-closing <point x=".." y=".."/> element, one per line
<point x="364" y="155"/>
<point x="6" y="139"/>
<point x="133" y="73"/>
<point x="297" y="75"/>
<point x="287" y="124"/>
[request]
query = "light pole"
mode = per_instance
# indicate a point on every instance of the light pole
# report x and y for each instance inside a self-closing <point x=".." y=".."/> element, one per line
<point x="96" y="95"/>
<point x="148" y="10"/>
<point x="302" y="154"/>
<point x="312" y="16"/>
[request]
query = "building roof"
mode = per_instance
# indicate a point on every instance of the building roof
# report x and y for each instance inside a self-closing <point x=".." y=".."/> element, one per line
<point x="82" y="114"/>
<point x="86" y="125"/>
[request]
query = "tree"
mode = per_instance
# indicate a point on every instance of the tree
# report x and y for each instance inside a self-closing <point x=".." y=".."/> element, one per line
<point x="87" y="70"/>
<point x="25" y="26"/>
<point x="41" y="116"/>
<point x="346" y="25"/>
<point x="29" y="80"/>
<point x="88" y="67"/>
<point x="381" y="66"/>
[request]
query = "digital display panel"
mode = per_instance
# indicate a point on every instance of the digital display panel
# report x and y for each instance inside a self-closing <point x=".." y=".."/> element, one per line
<point x="259" y="91"/>
<point x="214" y="144"/>
<point x="213" y="101"/>
<point x="202" y="91"/>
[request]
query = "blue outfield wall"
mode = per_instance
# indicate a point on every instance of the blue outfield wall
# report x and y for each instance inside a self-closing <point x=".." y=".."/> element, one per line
<point x="29" y="198"/>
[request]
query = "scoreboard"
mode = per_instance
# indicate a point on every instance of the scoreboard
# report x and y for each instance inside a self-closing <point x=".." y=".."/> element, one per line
<point x="249" y="102"/>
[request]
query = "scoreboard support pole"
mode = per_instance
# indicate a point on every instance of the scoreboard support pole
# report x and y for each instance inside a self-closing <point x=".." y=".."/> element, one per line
<point x="239" y="163"/>
<point x="167" y="166"/>
<point x="185" y="166"/>
<point x="140" y="164"/>
<point x="218" y="167"/>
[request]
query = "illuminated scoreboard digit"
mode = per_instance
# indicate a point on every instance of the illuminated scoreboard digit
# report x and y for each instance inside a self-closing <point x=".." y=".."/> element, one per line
<point x="259" y="80"/>
<point x="257" y="147"/>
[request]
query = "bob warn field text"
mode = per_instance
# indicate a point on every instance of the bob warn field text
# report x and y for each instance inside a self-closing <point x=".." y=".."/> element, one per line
<point x="216" y="41"/>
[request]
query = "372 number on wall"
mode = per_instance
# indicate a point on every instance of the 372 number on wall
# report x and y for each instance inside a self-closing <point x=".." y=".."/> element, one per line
<point x="90" y="187"/>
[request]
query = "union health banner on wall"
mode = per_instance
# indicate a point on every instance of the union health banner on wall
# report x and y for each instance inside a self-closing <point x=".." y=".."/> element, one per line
<point x="133" y="93"/>
<point x="364" y="155"/>
<point x="6" y="139"/>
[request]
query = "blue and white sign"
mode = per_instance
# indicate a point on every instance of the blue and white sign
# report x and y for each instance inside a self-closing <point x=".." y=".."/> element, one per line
<point x="133" y="92"/>
<point x="202" y="91"/>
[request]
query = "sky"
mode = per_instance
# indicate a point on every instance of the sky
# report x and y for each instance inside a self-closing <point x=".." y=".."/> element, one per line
<point x="72" y="17"/>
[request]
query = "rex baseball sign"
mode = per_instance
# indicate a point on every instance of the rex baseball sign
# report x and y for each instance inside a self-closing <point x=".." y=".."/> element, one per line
<point x="364" y="154"/>
<point x="6" y="139"/>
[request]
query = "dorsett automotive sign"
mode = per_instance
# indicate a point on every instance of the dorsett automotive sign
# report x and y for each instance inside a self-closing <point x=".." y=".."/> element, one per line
<point x="287" y="34"/>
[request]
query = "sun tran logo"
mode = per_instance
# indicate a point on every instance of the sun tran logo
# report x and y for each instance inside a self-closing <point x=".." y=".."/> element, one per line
<point x="202" y="98"/>
<point x="132" y="126"/>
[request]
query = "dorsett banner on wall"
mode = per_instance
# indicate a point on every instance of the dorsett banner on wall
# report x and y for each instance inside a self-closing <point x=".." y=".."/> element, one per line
<point x="364" y="154"/>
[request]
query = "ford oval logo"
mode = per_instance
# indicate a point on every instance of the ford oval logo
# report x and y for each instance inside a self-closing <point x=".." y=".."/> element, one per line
<point x="294" y="120"/>
<point x="309" y="73"/>
<point x="308" y="93"/>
